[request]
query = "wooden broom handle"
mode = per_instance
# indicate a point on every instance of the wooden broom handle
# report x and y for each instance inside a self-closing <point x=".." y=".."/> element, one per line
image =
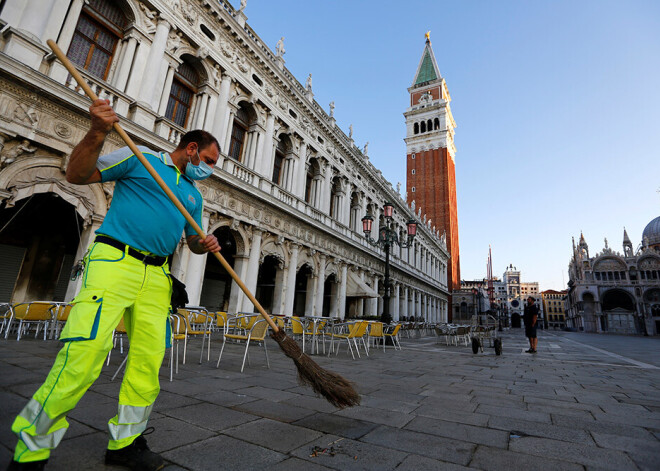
<point x="129" y="142"/>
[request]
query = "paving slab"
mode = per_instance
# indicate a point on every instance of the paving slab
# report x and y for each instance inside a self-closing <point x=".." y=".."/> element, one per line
<point x="440" y="448"/>
<point x="594" y="456"/>
<point x="274" y="410"/>
<point x="645" y="453"/>
<point x="379" y="416"/>
<point x="539" y="429"/>
<point x="467" y="433"/>
<point x="210" y="416"/>
<point x="273" y="435"/>
<point x="350" y="454"/>
<point x="496" y="459"/>
<point x="224" y="453"/>
<point x="343" y="427"/>
<point x="422" y="463"/>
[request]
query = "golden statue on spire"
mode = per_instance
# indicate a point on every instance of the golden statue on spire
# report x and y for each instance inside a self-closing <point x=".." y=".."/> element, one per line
<point x="428" y="36"/>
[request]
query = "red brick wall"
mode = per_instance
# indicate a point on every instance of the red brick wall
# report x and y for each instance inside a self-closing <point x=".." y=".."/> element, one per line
<point x="414" y="97"/>
<point x="435" y="192"/>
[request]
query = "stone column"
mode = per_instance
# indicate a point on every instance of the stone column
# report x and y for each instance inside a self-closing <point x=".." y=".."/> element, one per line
<point x="165" y="97"/>
<point x="40" y="18"/>
<point x="149" y="79"/>
<point x="324" y="203"/>
<point x="301" y="172"/>
<point x="12" y="12"/>
<point x="28" y="25"/>
<point x="253" y="144"/>
<point x="397" y="305"/>
<point x="253" y="268"/>
<point x="291" y="280"/>
<point x="362" y="303"/>
<point x="374" y="301"/>
<point x="404" y="312"/>
<point x="264" y="162"/>
<point x="200" y="114"/>
<point x="195" y="271"/>
<point x="121" y="77"/>
<point x="210" y="114"/>
<point x="320" y="286"/>
<point x="311" y="294"/>
<point x="341" y="298"/>
<point x="57" y="71"/>
<point x="278" y="296"/>
<point x="236" y="295"/>
<point x="220" y="122"/>
<point x="229" y="122"/>
<point x="136" y="74"/>
<point x="346" y="210"/>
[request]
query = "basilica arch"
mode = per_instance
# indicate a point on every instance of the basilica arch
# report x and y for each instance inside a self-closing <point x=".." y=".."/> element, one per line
<point x="39" y="251"/>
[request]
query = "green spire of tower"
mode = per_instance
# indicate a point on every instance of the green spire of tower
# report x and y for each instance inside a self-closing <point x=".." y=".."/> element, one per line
<point x="427" y="70"/>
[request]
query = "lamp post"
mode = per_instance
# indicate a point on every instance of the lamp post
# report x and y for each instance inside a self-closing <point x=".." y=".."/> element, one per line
<point x="386" y="238"/>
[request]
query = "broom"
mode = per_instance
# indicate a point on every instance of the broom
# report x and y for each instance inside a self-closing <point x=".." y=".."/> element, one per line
<point x="336" y="389"/>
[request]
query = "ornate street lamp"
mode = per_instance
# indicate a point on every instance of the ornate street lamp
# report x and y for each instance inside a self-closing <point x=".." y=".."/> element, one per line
<point x="386" y="237"/>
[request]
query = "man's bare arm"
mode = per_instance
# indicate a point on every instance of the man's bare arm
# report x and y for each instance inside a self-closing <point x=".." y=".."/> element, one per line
<point x="81" y="169"/>
<point x="199" y="246"/>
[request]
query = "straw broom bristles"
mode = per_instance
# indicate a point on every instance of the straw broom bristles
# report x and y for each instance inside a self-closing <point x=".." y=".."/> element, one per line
<point x="337" y="390"/>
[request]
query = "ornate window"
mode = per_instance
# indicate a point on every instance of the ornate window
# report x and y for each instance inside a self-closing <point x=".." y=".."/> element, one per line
<point x="184" y="88"/>
<point x="99" y="29"/>
<point x="238" y="133"/>
<point x="280" y="152"/>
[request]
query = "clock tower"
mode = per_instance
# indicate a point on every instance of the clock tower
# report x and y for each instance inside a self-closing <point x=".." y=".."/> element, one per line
<point x="430" y="173"/>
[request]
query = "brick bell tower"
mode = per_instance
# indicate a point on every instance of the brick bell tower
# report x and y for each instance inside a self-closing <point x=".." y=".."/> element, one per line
<point x="430" y="174"/>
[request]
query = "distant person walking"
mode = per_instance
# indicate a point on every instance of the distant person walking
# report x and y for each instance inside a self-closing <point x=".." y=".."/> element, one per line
<point x="530" y="318"/>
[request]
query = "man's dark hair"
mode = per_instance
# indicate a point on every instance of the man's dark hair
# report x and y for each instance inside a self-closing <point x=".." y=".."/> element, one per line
<point x="202" y="138"/>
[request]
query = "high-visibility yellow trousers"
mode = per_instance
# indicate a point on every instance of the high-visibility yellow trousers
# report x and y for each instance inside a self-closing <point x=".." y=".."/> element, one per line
<point x="114" y="285"/>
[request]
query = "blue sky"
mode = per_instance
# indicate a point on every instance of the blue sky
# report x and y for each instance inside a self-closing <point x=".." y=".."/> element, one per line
<point x="557" y="105"/>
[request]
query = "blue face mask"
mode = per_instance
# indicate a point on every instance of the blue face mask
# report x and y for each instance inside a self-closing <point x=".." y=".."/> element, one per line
<point x="200" y="171"/>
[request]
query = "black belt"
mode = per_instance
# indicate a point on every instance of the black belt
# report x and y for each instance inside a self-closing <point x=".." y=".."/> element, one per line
<point x="144" y="258"/>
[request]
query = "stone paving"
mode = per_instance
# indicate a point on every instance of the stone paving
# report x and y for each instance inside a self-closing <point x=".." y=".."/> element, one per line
<point x="583" y="402"/>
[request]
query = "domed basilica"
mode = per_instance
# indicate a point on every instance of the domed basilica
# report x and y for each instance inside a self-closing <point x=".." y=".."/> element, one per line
<point x="615" y="292"/>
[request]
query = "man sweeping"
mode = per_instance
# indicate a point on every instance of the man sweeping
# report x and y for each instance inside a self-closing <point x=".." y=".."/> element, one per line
<point x="126" y="274"/>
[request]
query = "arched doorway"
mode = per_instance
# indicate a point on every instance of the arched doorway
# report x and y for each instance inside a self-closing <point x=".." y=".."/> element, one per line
<point x="619" y="310"/>
<point x="266" y="282"/>
<point x="216" y="287"/>
<point x="303" y="277"/>
<point x="38" y="242"/>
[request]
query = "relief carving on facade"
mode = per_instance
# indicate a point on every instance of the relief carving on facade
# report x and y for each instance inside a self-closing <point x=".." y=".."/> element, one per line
<point x="26" y="113"/>
<point x="150" y="18"/>
<point x="20" y="149"/>
<point x="610" y="264"/>
<point x="649" y="263"/>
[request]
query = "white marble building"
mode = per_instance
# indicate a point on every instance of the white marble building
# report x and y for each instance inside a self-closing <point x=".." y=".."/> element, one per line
<point x="616" y="292"/>
<point x="287" y="194"/>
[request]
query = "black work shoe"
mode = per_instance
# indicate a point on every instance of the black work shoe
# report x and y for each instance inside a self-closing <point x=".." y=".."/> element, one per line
<point x="27" y="466"/>
<point x="136" y="456"/>
<point x="529" y="351"/>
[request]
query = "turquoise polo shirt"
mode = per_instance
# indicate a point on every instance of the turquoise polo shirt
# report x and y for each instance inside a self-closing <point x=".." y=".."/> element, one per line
<point x="141" y="215"/>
